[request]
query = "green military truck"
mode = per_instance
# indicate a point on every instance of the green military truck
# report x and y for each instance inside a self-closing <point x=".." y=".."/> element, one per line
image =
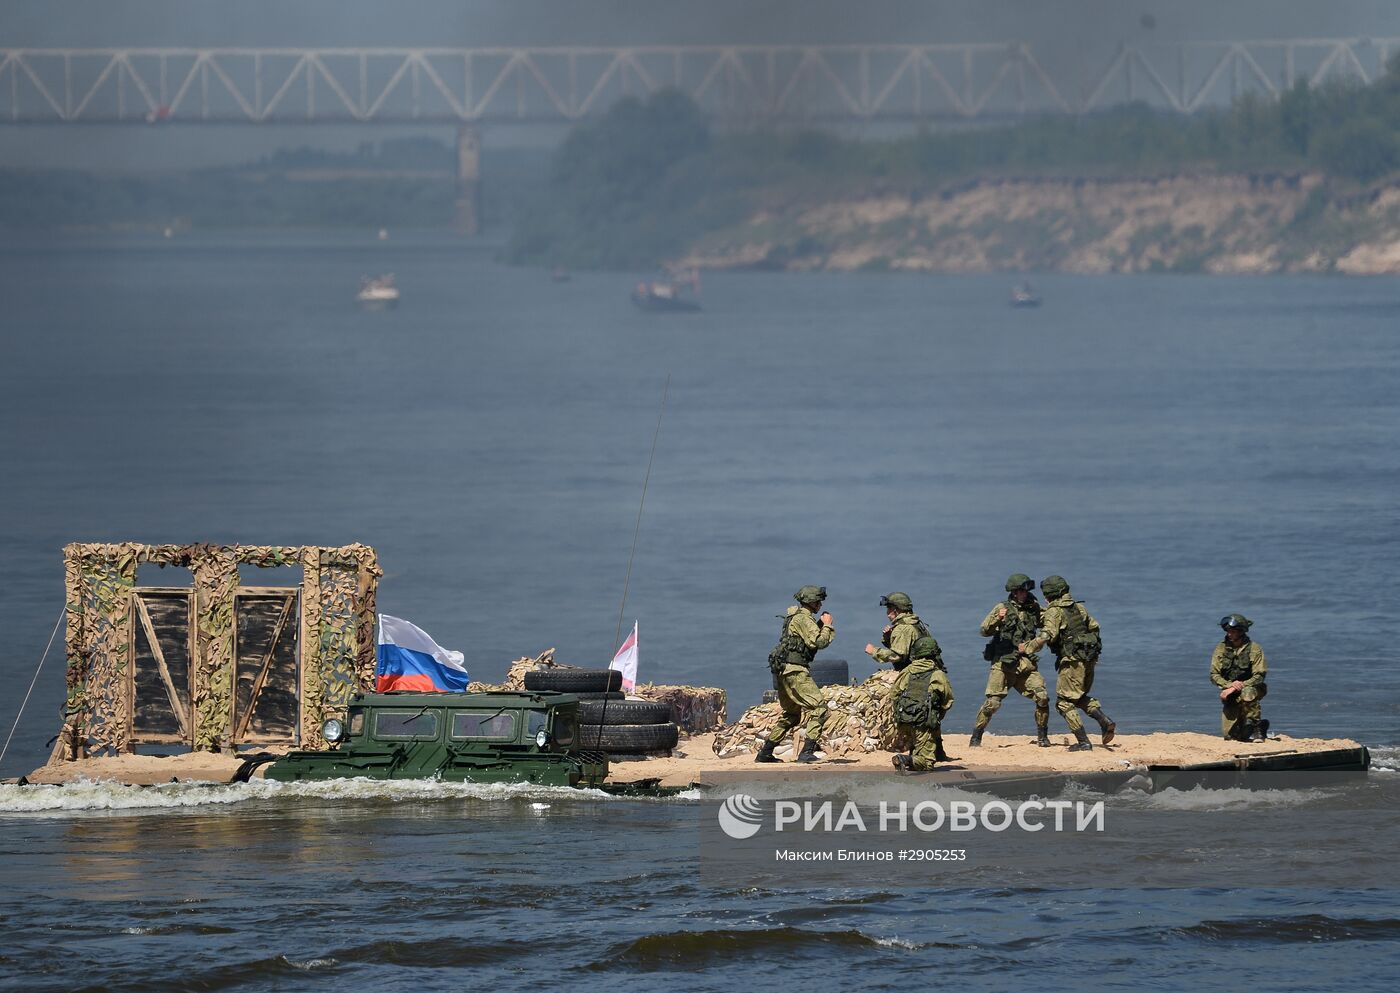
<point x="494" y="737"/>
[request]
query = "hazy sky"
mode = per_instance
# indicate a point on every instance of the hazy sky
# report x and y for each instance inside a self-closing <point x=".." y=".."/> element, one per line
<point x="1087" y="30"/>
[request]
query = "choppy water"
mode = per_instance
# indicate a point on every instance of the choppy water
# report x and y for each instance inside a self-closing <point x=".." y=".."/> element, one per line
<point x="1179" y="448"/>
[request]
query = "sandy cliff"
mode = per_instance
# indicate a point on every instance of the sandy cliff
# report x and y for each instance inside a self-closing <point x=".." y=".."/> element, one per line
<point x="1187" y="223"/>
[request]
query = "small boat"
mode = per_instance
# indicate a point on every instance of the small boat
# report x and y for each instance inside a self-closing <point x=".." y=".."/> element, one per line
<point x="378" y="292"/>
<point x="1022" y="295"/>
<point x="670" y="294"/>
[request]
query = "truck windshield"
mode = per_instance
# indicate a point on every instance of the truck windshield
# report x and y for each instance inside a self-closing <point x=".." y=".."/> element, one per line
<point x="484" y="724"/>
<point x="407" y="725"/>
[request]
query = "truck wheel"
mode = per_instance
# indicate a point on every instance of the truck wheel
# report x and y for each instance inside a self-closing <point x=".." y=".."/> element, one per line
<point x="628" y="737"/>
<point x="574" y="680"/>
<point x="623" y="712"/>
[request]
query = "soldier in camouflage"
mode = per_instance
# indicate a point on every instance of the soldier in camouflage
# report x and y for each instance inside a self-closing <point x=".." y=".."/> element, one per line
<point x="900" y="634"/>
<point x="804" y="634"/>
<point x="1074" y="637"/>
<point x="904" y="628"/>
<point x="922" y="697"/>
<point x="1009" y="624"/>
<point x="1239" y="669"/>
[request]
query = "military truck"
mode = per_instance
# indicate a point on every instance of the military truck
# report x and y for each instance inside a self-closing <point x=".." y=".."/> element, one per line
<point x="501" y="736"/>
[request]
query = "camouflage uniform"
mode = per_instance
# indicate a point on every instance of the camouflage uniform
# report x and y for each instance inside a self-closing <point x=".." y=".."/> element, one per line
<point x="925" y="737"/>
<point x="905" y="629"/>
<point x="1074" y="678"/>
<point x="1010" y="669"/>
<point x="1241" y="714"/>
<point x="798" y="693"/>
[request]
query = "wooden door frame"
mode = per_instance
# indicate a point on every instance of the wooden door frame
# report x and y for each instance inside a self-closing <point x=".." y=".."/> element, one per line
<point x="182" y="709"/>
<point x="291" y="610"/>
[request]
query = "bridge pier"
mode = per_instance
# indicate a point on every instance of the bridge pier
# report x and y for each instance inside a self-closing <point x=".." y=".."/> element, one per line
<point x="467" y="210"/>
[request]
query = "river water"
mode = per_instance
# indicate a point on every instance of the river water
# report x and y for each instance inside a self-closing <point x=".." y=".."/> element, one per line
<point x="1177" y="447"/>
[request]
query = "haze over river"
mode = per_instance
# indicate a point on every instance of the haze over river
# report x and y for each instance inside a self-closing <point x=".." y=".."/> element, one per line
<point x="1177" y="447"/>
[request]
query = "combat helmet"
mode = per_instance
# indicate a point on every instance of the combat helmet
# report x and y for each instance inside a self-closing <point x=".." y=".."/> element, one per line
<point x="1236" y="622"/>
<point x="1054" y="587"/>
<point x="1019" y="581"/>
<point x="810" y="594"/>
<point x="925" y="648"/>
<point x="899" y="601"/>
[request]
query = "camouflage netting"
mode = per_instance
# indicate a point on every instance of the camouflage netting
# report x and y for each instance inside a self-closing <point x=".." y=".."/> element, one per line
<point x="695" y="709"/>
<point x="337" y="636"/>
<point x="858" y="720"/>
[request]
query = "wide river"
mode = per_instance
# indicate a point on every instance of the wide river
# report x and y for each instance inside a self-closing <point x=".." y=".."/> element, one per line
<point x="1177" y="447"/>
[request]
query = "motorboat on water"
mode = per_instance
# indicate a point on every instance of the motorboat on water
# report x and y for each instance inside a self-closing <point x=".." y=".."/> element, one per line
<point x="378" y="292"/>
<point x="676" y="293"/>
<point x="1023" y="295"/>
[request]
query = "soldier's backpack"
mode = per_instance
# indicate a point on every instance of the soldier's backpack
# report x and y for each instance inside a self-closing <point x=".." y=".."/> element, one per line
<point x="790" y="648"/>
<point x="916" y="705"/>
<point x="1077" y="641"/>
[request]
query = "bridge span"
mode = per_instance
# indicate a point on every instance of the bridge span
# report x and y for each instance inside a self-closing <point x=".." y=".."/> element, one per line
<point x="736" y="85"/>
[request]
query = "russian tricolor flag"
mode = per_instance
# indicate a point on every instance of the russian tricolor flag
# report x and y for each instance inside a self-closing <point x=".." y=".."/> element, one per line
<point x="407" y="659"/>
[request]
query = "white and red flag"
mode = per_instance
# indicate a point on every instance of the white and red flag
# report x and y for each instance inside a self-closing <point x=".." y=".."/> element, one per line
<point x="625" y="661"/>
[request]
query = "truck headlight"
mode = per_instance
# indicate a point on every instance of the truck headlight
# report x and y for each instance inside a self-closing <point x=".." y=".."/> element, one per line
<point x="332" y="730"/>
<point x="542" y="738"/>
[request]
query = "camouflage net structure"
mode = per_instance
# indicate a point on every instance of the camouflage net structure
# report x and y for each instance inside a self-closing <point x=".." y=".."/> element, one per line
<point x="338" y="590"/>
<point x="695" y="709"/>
<point x="859" y="719"/>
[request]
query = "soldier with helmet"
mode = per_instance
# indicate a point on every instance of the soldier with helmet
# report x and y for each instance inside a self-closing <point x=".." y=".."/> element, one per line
<point x="1238" y="667"/>
<point x="1010" y="624"/>
<point x="922" y="697"/>
<point x="904" y="628"/>
<point x="1065" y="625"/>
<point x="898" y="638"/>
<point x="804" y="634"/>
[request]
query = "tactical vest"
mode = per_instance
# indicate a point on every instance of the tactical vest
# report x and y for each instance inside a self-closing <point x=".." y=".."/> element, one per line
<point x="1016" y="628"/>
<point x="790" y="650"/>
<point x="917" y="705"/>
<point x="1238" y="665"/>
<point x="1076" y="642"/>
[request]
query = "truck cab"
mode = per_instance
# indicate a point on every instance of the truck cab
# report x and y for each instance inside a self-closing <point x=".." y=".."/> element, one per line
<point x="492" y="737"/>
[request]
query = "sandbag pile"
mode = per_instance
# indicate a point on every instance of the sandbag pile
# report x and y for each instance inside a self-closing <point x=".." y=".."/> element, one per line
<point x="696" y="709"/>
<point x="859" y="719"/>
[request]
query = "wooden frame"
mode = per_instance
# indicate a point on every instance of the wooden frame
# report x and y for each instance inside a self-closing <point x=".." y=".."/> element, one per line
<point x="178" y="705"/>
<point x="239" y="723"/>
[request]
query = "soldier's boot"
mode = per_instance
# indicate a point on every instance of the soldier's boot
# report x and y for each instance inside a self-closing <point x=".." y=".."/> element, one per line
<point x="1042" y="734"/>
<point x="1081" y="743"/>
<point x="1106" y="725"/>
<point x="976" y="740"/>
<point x="903" y="763"/>
<point x="809" y="752"/>
<point x="1260" y="731"/>
<point x="765" y="754"/>
<point x="939" y="755"/>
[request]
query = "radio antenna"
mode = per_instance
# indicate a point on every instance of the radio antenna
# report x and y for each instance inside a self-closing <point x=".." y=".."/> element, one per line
<point x="622" y="610"/>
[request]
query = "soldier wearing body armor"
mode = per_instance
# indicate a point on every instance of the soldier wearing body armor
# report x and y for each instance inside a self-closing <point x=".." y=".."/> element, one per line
<point x="922" y="696"/>
<point x="1237" y="666"/>
<point x="804" y="634"/>
<point x="1009" y="624"/>
<point x="898" y="638"/>
<point x="1074" y="637"/>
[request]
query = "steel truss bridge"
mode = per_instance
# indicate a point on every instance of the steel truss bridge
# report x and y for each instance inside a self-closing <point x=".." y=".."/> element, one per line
<point x="732" y="83"/>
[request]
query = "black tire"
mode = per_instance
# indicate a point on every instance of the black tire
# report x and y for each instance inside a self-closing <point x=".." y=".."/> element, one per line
<point x="623" y="712"/>
<point x="628" y="737"/>
<point x="829" y="672"/>
<point x="610" y="695"/>
<point x="574" y="680"/>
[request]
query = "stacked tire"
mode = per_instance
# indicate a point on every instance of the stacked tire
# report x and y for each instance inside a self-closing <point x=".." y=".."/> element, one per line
<point x="607" y="720"/>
